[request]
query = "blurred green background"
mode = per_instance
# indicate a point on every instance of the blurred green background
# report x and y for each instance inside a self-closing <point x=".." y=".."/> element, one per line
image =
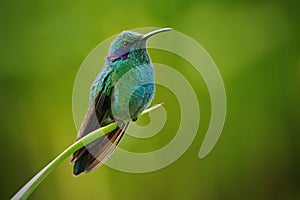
<point x="255" y="44"/>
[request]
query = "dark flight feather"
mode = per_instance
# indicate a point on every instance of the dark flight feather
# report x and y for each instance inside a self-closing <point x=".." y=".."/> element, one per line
<point x="95" y="153"/>
<point x="98" y="151"/>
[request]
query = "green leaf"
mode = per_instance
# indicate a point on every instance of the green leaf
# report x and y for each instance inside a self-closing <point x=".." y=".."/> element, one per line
<point x="30" y="186"/>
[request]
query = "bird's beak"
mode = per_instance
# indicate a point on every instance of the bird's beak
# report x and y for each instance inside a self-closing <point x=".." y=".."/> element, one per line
<point x="146" y="36"/>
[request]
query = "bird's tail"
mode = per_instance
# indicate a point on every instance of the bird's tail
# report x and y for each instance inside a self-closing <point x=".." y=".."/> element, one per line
<point x="94" y="154"/>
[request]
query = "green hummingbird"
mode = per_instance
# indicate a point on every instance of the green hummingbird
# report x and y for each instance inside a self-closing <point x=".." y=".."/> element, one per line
<point x="122" y="90"/>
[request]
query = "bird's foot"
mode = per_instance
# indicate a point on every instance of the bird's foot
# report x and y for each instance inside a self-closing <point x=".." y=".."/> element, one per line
<point x="134" y="119"/>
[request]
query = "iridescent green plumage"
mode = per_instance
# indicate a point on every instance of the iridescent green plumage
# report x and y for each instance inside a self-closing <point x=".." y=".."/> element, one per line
<point x="122" y="90"/>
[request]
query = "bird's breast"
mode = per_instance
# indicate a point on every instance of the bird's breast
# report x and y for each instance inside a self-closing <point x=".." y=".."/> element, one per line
<point x="133" y="92"/>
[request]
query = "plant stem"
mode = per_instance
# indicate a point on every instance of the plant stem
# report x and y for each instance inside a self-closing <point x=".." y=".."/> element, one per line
<point x="30" y="186"/>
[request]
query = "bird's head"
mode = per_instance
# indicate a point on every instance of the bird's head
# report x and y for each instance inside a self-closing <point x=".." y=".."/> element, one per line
<point x="128" y="41"/>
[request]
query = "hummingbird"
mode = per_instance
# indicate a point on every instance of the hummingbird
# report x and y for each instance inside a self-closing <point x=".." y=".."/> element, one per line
<point x="120" y="93"/>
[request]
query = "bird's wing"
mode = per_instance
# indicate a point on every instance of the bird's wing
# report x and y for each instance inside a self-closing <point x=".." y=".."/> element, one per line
<point x="99" y="107"/>
<point x="94" y="154"/>
<point x="96" y="112"/>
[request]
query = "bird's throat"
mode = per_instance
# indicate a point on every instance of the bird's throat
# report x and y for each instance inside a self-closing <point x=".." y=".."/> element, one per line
<point x="139" y="55"/>
<point x="122" y="57"/>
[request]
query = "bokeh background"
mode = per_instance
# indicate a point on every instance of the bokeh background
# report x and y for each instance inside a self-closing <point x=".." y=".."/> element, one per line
<point x="255" y="44"/>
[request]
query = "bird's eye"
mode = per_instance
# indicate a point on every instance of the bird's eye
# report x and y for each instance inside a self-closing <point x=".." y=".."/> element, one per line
<point x="125" y="43"/>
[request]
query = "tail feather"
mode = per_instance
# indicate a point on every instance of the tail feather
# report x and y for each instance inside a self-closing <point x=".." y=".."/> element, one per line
<point x="96" y="153"/>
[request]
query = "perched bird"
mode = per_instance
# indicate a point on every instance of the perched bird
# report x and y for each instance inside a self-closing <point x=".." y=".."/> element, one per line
<point x="121" y="91"/>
